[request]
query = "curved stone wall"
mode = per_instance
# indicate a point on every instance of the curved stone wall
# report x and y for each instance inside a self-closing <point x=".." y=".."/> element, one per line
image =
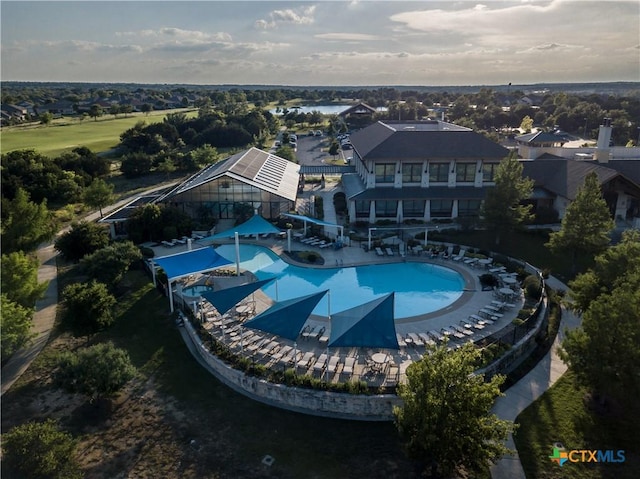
<point x="307" y="401"/>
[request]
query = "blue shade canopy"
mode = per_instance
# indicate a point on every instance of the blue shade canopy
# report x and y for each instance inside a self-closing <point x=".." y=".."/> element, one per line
<point x="286" y="318"/>
<point x="370" y="325"/>
<point x="225" y="299"/>
<point x="310" y="220"/>
<point x="257" y="225"/>
<point x="190" y="262"/>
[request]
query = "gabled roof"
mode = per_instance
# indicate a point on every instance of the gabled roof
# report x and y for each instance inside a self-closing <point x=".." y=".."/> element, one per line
<point x="422" y="140"/>
<point x="360" y="108"/>
<point x="253" y="166"/>
<point x="543" y="137"/>
<point x="564" y="176"/>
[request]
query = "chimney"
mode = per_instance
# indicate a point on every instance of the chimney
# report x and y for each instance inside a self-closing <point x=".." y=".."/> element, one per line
<point x="604" y="139"/>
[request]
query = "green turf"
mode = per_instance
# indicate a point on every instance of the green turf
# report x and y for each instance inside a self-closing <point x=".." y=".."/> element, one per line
<point x="562" y="415"/>
<point x="65" y="134"/>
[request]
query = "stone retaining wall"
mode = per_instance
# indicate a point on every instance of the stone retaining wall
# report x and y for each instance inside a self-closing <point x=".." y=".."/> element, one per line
<point x="307" y="401"/>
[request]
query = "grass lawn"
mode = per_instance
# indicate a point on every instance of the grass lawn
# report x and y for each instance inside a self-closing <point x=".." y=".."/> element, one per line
<point x="562" y="415"/>
<point x="174" y="400"/>
<point x="65" y="134"/>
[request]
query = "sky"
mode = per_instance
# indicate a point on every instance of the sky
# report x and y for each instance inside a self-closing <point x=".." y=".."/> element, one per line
<point x="321" y="43"/>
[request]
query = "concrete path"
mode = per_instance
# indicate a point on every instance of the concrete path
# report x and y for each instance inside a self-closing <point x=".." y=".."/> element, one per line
<point x="519" y="396"/>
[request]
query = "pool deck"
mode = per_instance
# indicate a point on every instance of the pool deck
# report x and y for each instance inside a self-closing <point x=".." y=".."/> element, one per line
<point x="472" y="300"/>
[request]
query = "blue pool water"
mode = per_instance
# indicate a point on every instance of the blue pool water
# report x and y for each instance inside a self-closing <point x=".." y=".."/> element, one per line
<point x="196" y="290"/>
<point x="420" y="287"/>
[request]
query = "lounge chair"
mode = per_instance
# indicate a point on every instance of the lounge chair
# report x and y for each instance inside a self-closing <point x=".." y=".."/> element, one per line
<point x="448" y="253"/>
<point x="306" y="359"/>
<point x="379" y="251"/>
<point x="307" y="331"/>
<point x="471" y="325"/>
<point x="349" y="364"/>
<point x="465" y="331"/>
<point x="417" y="340"/>
<point x="168" y="244"/>
<point x="389" y="251"/>
<point x="427" y="339"/>
<point x="320" y="363"/>
<point x="401" y="342"/>
<point x="460" y="255"/>
<point x="436" y="335"/>
<point x="282" y="352"/>
<point x="333" y="363"/>
<point x="452" y="332"/>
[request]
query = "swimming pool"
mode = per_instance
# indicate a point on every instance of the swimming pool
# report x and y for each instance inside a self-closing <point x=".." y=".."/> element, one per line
<point x="420" y="287"/>
<point x="196" y="290"/>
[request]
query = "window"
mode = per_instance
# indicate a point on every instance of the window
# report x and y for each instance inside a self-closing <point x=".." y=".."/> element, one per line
<point x="441" y="208"/>
<point x="362" y="208"/>
<point x="468" y="207"/>
<point x="385" y="172"/>
<point x="439" y="172"/>
<point x="411" y="172"/>
<point x="488" y="171"/>
<point x="386" y="208"/>
<point x="413" y="208"/>
<point x="465" y="172"/>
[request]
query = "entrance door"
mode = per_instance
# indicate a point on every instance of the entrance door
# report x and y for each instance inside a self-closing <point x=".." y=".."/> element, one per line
<point x="226" y="211"/>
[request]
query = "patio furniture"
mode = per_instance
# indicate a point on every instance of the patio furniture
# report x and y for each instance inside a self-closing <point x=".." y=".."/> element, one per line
<point x="320" y="362"/>
<point x="417" y="340"/>
<point x="349" y="364"/>
<point x="436" y="335"/>
<point x="379" y="251"/>
<point x="379" y="361"/>
<point x="306" y="359"/>
<point x="460" y="255"/>
<point x="333" y="364"/>
<point x="465" y="331"/>
<point x="389" y="251"/>
<point x="427" y="339"/>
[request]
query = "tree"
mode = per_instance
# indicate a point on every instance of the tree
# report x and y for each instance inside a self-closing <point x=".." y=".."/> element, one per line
<point x="82" y="239"/>
<point x="109" y="265"/>
<point x="98" y="194"/>
<point x="95" y="111"/>
<point x="502" y="209"/>
<point x="98" y="371"/>
<point x="146" y="108"/>
<point x="586" y="224"/>
<point x="46" y="118"/>
<point x="286" y="152"/>
<point x="114" y="110"/>
<point x="167" y="166"/>
<point x="136" y="164"/>
<point x="88" y="307"/>
<point x="15" y="324"/>
<point x="445" y="420"/>
<point x="40" y="451"/>
<point x="25" y="224"/>
<point x="605" y="351"/>
<point x="526" y="124"/>
<point x="205" y="155"/>
<point x="334" y="148"/>
<point x="20" y="279"/>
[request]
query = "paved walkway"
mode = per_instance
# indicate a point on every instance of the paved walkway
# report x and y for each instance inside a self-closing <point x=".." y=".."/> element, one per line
<point x="519" y="396"/>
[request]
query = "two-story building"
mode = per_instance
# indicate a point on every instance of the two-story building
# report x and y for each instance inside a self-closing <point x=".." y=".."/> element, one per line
<point x="419" y="170"/>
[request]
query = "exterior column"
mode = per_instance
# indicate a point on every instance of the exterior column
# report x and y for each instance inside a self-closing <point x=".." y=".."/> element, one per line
<point x="427" y="211"/>
<point x="372" y="212"/>
<point x="454" y="209"/>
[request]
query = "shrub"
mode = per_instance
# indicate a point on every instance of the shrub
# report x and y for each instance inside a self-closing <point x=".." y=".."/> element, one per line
<point x="532" y="287"/>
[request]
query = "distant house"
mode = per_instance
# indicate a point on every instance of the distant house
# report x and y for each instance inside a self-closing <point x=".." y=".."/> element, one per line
<point x="58" y="108"/>
<point x="358" y="115"/>
<point x="14" y="112"/>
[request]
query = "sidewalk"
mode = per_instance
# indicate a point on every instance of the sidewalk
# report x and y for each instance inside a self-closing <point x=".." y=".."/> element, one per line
<point x="519" y="396"/>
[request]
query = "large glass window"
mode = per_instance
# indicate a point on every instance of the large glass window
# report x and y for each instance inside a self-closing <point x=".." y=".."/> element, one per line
<point x="468" y="207"/>
<point x="385" y="172"/>
<point x="411" y="172"/>
<point x="413" y="208"/>
<point x="362" y="208"/>
<point x="386" y="208"/>
<point x="488" y="171"/>
<point x="465" y="172"/>
<point x="441" y="208"/>
<point x="439" y="172"/>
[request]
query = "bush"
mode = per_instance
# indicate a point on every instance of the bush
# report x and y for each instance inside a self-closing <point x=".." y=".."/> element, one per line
<point x="533" y="287"/>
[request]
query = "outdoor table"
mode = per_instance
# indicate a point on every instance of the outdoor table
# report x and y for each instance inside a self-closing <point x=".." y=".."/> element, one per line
<point x="379" y="360"/>
<point x="509" y="280"/>
<point x="485" y="262"/>
<point x="243" y="309"/>
<point x="506" y="291"/>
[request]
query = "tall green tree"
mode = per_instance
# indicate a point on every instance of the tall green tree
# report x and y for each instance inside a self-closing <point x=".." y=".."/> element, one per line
<point x="502" y="209"/>
<point x="25" y="224"/>
<point x="586" y="225"/>
<point x="98" y="194"/>
<point x="40" y="451"/>
<point x="95" y="111"/>
<point x="445" y="420"/>
<point x="98" y="371"/>
<point x="19" y="281"/>
<point x="605" y="351"/>
<point x="88" y="307"/>
<point x="167" y="166"/>
<point x="15" y="324"/>
<point x="109" y="265"/>
<point x="82" y="239"/>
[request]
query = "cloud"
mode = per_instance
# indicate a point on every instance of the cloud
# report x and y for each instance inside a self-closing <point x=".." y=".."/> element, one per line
<point x="346" y="37"/>
<point x="180" y="34"/>
<point x="297" y="16"/>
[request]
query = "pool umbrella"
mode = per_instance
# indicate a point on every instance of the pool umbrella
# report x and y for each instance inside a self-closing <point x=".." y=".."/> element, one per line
<point x="370" y="325"/>
<point x="225" y="299"/>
